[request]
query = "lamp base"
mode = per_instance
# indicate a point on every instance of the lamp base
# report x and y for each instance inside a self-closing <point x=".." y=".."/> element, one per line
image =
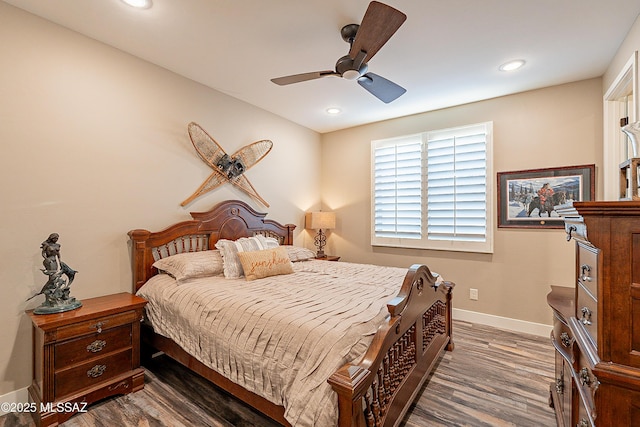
<point x="320" y="241"/>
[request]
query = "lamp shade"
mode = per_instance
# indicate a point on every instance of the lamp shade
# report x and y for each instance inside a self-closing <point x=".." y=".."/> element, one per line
<point x="320" y="220"/>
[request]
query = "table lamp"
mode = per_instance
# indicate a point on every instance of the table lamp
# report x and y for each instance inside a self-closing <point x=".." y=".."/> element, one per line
<point x="320" y="221"/>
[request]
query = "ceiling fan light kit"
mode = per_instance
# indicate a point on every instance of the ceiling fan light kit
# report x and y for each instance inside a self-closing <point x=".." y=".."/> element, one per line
<point x="351" y="74"/>
<point x="379" y="23"/>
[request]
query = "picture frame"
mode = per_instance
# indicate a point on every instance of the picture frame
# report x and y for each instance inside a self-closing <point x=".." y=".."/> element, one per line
<point x="520" y="193"/>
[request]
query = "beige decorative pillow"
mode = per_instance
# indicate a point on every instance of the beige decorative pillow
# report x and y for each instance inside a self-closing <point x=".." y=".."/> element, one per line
<point x="189" y="265"/>
<point x="265" y="263"/>
<point x="297" y="253"/>
<point x="230" y="249"/>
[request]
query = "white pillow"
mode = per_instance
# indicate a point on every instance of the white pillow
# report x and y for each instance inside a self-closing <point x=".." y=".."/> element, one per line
<point x="229" y="250"/>
<point x="297" y="253"/>
<point x="189" y="265"/>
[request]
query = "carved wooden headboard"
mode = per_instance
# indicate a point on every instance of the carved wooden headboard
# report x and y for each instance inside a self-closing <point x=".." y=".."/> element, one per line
<point x="231" y="220"/>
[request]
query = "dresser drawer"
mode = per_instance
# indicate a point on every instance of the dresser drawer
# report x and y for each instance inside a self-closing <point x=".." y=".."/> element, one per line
<point x="587" y="263"/>
<point x="583" y="418"/>
<point x="80" y="349"/>
<point x="92" y="372"/>
<point x="98" y="325"/>
<point x="563" y="339"/>
<point x="562" y="387"/>
<point x="587" y="383"/>
<point x="587" y="312"/>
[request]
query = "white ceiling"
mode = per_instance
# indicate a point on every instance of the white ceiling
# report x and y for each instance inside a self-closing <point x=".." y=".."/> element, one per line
<point x="446" y="53"/>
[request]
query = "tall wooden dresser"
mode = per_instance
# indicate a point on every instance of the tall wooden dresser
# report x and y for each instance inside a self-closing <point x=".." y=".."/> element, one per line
<point x="596" y="330"/>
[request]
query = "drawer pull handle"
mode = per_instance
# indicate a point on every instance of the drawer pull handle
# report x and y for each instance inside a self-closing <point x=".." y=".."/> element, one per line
<point x="559" y="385"/>
<point x="98" y="326"/>
<point x="585" y="269"/>
<point x="565" y="339"/>
<point x="570" y="230"/>
<point x="96" y="346"/>
<point x="585" y="378"/>
<point x="96" y="371"/>
<point x="583" y="423"/>
<point x="586" y="316"/>
<point x="123" y="384"/>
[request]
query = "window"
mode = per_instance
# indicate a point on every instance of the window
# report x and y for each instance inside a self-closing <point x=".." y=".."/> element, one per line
<point x="432" y="190"/>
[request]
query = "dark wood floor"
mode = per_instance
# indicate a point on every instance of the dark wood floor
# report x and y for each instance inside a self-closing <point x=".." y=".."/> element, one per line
<point x="492" y="378"/>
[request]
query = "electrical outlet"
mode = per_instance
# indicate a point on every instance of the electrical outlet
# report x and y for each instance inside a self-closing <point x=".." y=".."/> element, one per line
<point x="473" y="294"/>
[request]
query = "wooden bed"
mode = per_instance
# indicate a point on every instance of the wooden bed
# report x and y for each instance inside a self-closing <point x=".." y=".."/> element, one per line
<point x="374" y="391"/>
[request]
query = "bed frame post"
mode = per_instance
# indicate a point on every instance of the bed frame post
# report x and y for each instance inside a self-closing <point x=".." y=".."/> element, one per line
<point x="138" y="257"/>
<point x="449" y="286"/>
<point x="350" y="383"/>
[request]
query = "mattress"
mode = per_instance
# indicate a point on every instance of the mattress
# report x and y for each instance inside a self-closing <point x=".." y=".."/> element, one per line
<point x="280" y="337"/>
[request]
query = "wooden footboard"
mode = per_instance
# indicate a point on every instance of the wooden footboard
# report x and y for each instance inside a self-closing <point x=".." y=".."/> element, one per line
<point x="378" y="390"/>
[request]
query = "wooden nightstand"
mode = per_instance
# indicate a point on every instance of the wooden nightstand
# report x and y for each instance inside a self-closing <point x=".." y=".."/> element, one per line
<point x="329" y="258"/>
<point x="85" y="355"/>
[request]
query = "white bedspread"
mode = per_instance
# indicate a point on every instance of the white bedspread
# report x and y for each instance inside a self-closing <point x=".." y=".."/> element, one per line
<point x="280" y="337"/>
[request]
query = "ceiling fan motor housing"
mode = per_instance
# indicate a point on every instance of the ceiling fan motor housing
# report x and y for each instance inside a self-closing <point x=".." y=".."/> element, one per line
<point x="347" y="69"/>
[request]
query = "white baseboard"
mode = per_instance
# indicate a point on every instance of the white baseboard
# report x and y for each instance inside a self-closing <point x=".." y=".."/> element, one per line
<point x="17" y="396"/>
<point x="502" y="322"/>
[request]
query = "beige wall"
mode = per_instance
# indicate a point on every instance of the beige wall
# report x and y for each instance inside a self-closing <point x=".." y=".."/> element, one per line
<point x="552" y="127"/>
<point x="94" y="143"/>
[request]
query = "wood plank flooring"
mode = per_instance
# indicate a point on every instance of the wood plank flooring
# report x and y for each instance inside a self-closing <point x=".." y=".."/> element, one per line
<point x="492" y="378"/>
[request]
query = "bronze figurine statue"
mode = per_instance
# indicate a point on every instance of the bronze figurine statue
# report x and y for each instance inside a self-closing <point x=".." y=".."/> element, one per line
<point x="57" y="289"/>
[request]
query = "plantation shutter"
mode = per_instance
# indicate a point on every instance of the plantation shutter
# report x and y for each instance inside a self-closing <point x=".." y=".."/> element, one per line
<point x="433" y="190"/>
<point x="457" y="185"/>
<point x="398" y="188"/>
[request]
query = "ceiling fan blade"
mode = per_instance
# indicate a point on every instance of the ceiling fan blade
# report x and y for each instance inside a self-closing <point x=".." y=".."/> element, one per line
<point x="296" y="78"/>
<point x="379" y="23"/>
<point x="383" y="89"/>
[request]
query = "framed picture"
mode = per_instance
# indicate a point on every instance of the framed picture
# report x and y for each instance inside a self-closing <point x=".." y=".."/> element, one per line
<point x="526" y="199"/>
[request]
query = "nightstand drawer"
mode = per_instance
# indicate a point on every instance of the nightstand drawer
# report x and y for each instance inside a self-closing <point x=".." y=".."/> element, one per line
<point x="95" y="325"/>
<point x="92" y="372"/>
<point x="87" y="347"/>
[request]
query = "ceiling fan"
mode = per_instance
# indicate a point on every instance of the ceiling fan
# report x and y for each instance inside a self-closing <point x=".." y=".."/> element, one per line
<point x="379" y="23"/>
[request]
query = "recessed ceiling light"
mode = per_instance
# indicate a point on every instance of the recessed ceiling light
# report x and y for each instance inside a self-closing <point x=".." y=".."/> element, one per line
<point x="333" y="111"/>
<point x="140" y="4"/>
<point x="512" y="65"/>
